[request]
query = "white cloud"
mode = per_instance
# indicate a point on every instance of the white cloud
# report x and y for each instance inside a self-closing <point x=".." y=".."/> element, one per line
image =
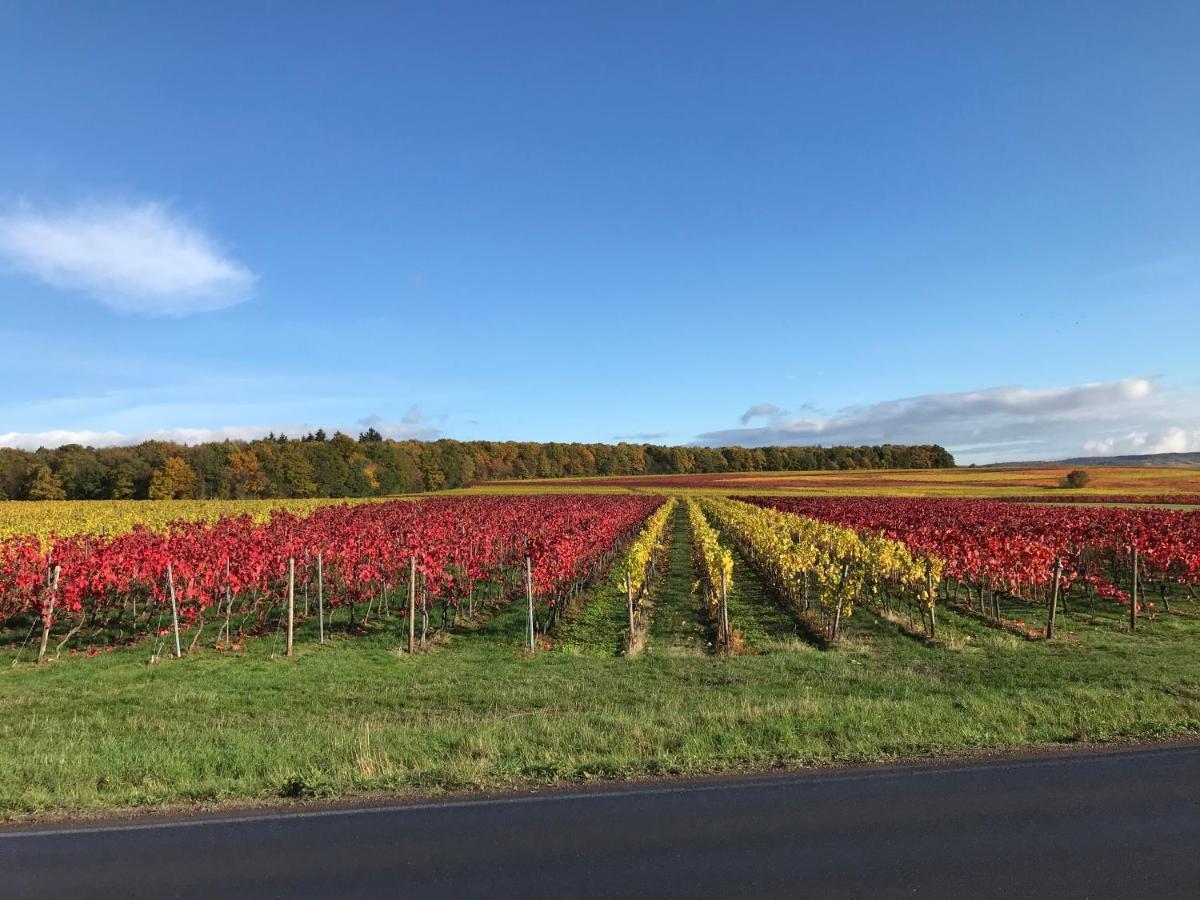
<point x="1178" y="440"/>
<point x="138" y="258"/>
<point x="31" y="440"/>
<point x="1173" y="439"/>
<point x="1133" y="415"/>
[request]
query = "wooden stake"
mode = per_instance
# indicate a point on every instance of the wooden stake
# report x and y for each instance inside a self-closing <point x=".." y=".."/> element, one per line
<point x="228" y="605"/>
<point x="412" y="605"/>
<point x="49" y="615"/>
<point x="1054" y="599"/>
<point x="529" y="597"/>
<point x="320" y="597"/>
<point x="1133" y="594"/>
<point x="932" y="602"/>
<point x="291" y="604"/>
<point x="723" y="612"/>
<point x="837" y="618"/>
<point x="629" y="598"/>
<point x="174" y="610"/>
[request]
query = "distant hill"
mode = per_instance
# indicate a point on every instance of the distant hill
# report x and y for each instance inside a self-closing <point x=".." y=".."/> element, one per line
<point x="1148" y="460"/>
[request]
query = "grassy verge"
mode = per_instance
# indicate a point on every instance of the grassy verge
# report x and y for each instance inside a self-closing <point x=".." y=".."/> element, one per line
<point x="476" y="711"/>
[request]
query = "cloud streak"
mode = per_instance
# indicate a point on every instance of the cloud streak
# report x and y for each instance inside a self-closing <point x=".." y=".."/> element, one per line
<point x="138" y="258"/>
<point x="1132" y="415"/>
<point x="641" y="437"/>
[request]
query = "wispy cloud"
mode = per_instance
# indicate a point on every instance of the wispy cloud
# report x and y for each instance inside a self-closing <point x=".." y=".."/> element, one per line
<point x="410" y="428"/>
<point x="760" y="411"/>
<point x="139" y="258"/>
<point x="997" y="422"/>
<point x="1173" y="266"/>
<point x="641" y="436"/>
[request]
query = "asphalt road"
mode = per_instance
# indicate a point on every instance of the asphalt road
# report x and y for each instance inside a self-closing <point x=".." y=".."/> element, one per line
<point x="1113" y="825"/>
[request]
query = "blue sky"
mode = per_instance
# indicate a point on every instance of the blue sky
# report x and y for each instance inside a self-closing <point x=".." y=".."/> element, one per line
<point x="686" y="222"/>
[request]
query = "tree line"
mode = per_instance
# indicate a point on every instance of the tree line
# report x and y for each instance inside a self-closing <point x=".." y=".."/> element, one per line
<point x="319" y="465"/>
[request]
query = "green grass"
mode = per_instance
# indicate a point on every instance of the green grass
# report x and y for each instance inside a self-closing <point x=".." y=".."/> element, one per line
<point x="679" y="624"/>
<point x="476" y="711"/>
<point x="758" y="619"/>
<point x="597" y="627"/>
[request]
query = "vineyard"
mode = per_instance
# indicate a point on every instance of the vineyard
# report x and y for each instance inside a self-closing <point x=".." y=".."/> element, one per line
<point x="483" y="640"/>
<point x="246" y="572"/>
<point x="1039" y="555"/>
<point x="101" y="579"/>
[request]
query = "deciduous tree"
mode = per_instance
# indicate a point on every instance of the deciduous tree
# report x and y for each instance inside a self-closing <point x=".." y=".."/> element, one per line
<point x="174" y="480"/>
<point x="45" y="485"/>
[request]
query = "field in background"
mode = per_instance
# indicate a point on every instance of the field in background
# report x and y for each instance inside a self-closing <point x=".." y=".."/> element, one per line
<point x="1040" y="481"/>
<point x="1156" y="485"/>
<point x="66" y="517"/>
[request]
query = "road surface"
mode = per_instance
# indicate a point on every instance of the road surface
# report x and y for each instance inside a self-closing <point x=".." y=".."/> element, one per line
<point x="1124" y="824"/>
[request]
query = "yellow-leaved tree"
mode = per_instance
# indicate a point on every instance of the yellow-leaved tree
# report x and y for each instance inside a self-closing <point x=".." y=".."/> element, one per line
<point x="45" y="485"/>
<point x="246" y="474"/>
<point x="174" y="480"/>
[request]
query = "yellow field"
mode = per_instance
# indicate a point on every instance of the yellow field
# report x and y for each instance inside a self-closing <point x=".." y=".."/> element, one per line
<point x="1039" y="481"/>
<point x="65" y="517"/>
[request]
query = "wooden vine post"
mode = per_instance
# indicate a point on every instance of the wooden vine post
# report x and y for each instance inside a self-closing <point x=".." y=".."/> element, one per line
<point x="321" y="597"/>
<point x="629" y="598"/>
<point x="837" y="615"/>
<point x="932" y="602"/>
<point x="291" y="605"/>
<point x="723" y="612"/>
<point x="529" y="599"/>
<point x="424" y="611"/>
<point x="412" y="605"/>
<point x="1133" y="593"/>
<point x="48" y="616"/>
<point x="1054" y="600"/>
<point x="174" y="610"/>
<point x="228" y="606"/>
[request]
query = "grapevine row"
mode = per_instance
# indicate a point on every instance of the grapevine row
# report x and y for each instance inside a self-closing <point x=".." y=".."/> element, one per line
<point x="715" y="565"/>
<point x="992" y="547"/>
<point x="824" y="569"/>
<point x="637" y="570"/>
